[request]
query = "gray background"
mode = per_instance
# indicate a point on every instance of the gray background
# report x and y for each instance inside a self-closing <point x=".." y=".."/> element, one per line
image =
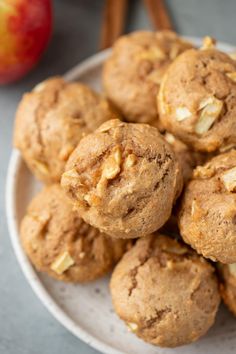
<point x="25" y="325"/>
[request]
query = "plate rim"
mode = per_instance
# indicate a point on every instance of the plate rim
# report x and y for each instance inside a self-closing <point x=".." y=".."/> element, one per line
<point x="28" y="270"/>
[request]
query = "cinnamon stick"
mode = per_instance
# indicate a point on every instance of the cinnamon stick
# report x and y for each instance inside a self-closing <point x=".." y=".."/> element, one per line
<point x="159" y="14"/>
<point x="113" y="21"/>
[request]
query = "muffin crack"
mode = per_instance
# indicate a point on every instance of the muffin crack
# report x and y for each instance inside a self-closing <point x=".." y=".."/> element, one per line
<point x="134" y="272"/>
<point x="158" y="317"/>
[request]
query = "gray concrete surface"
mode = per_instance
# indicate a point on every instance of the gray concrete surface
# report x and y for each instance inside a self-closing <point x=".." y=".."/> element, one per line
<point x="25" y="325"/>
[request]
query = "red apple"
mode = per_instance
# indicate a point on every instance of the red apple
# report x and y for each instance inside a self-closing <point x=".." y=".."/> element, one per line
<point x="25" y="29"/>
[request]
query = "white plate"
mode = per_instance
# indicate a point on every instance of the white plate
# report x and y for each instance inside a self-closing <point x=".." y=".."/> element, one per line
<point x="86" y="310"/>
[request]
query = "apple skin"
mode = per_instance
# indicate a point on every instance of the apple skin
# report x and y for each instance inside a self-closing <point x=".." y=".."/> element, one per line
<point x="25" y="30"/>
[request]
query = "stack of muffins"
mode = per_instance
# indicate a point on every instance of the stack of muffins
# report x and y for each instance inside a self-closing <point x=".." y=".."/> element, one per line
<point x="143" y="179"/>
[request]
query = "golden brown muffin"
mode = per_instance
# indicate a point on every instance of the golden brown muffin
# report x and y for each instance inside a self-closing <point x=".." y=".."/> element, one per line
<point x="197" y="99"/>
<point x="51" y="120"/>
<point x="228" y="285"/>
<point x="133" y="73"/>
<point x="165" y="292"/>
<point x="208" y="209"/>
<point x="60" y="243"/>
<point x="123" y="179"/>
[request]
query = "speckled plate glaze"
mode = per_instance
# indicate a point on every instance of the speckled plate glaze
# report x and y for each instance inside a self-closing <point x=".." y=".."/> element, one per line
<point x="86" y="310"/>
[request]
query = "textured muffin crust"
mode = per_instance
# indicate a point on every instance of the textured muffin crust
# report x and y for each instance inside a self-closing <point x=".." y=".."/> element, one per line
<point x="165" y="292"/>
<point x="228" y="285"/>
<point x="51" y="120"/>
<point x="208" y="209"/>
<point x="197" y="99"/>
<point x="60" y="243"/>
<point x="133" y="73"/>
<point x="123" y="179"/>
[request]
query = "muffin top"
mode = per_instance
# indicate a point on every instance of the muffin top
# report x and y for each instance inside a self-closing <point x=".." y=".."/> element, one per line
<point x="208" y="209"/>
<point x="61" y="244"/>
<point x="51" y="120"/>
<point x="197" y="99"/>
<point x="165" y="292"/>
<point x="133" y="72"/>
<point x="123" y="179"/>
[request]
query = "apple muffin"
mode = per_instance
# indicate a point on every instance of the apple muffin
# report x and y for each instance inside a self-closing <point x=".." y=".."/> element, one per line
<point x="197" y="99"/>
<point x="58" y="242"/>
<point x="123" y="179"/>
<point x="133" y="72"/>
<point x="166" y="294"/>
<point x="207" y="216"/>
<point x="227" y="277"/>
<point x="51" y="120"/>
